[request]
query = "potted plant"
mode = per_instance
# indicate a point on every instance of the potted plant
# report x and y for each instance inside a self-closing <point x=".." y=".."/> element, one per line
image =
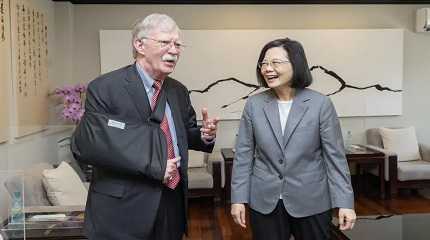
<point x="73" y="109"/>
<point x="73" y="99"/>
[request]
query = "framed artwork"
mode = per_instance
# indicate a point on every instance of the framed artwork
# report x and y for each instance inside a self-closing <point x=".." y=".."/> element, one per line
<point x="29" y="27"/>
<point x="5" y="74"/>
<point x="360" y="69"/>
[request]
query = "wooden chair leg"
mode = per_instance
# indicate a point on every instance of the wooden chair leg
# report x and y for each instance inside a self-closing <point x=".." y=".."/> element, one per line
<point x="393" y="188"/>
<point x="216" y="173"/>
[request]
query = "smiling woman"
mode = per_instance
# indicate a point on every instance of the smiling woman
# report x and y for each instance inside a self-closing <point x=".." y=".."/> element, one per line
<point x="277" y="71"/>
<point x="303" y="151"/>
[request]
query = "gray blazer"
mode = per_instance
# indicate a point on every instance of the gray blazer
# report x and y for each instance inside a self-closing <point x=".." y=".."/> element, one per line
<point x="306" y="165"/>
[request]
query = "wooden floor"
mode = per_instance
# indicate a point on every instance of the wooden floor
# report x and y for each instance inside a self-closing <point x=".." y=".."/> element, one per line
<point x="207" y="222"/>
<point x="214" y="223"/>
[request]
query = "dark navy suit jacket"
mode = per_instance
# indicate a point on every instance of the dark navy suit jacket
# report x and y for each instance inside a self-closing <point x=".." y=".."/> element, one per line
<point x="124" y="194"/>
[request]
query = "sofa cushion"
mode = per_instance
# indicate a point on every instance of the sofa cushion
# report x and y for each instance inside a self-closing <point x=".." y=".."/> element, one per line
<point x="29" y="181"/>
<point x="413" y="170"/>
<point x="402" y="141"/>
<point x="63" y="186"/>
<point x="199" y="178"/>
<point x="196" y="159"/>
<point x="373" y="136"/>
<point x="75" y="165"/>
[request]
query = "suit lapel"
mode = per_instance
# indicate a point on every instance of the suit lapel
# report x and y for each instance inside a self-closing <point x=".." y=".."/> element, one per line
<point x="137" y="92"/>
<point x="271" y="111"/>
<point x="298" y="110"/>
<point x="174" y="102"/>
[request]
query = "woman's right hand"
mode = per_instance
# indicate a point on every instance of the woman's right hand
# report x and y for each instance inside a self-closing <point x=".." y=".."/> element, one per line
<point x="238" y="213"/>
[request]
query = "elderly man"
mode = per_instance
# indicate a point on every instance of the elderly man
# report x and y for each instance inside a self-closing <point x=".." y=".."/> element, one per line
<point x="127" y="199"/>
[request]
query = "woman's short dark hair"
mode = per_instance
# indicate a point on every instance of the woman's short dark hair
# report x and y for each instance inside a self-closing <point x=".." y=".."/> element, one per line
<point x="302" y="76"/>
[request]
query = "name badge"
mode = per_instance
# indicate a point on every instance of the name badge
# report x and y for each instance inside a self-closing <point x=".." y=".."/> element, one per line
<point x="116" y="124"/>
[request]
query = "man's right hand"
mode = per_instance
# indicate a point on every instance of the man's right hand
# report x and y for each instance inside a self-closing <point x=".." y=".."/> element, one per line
<point x="171" y="166"/>
<point x="238" y="214"/>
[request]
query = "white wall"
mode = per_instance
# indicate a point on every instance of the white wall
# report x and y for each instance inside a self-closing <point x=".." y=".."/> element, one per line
<point x="89" y="19"/>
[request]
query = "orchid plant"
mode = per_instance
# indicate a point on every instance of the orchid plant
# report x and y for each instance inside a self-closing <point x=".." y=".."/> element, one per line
<point x="72" y="101"/>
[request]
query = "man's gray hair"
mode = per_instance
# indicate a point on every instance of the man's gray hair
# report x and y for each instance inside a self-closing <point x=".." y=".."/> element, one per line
<point x="156" y="21"/>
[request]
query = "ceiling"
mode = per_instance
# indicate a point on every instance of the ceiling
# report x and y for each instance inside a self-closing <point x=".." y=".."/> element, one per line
<point x="244" y="1"/>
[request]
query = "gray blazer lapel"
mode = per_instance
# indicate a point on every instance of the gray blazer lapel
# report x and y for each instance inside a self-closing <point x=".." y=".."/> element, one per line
<point x="298" y="110"/>
<point x="137" y="92"/>
<point x="271" y="111"/>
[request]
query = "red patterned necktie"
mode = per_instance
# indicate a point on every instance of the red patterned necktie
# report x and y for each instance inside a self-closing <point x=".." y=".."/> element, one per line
<point x="173" y="181"/>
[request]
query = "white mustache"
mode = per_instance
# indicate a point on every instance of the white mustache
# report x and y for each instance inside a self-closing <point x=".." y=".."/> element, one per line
<point x="169" y="57"/>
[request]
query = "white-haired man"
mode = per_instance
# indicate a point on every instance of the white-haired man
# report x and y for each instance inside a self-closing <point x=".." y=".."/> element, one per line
<point x="129" y="199"/>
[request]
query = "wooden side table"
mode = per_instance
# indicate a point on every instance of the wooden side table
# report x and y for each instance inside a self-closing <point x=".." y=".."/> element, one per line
<point x="359" y="154"/>
<point x="363" y="155"/>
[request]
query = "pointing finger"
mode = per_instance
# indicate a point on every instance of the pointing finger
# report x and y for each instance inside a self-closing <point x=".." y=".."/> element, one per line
<point x="205" y="114"/>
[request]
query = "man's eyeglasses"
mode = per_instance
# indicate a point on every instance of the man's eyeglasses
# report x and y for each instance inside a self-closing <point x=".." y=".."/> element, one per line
<point x="166" y="43"/>
<point x="275" y="63"/>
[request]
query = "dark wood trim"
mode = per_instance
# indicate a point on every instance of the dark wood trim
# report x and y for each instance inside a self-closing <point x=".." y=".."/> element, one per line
<point x="244" y="1"/>
<point x="392" y="175"/>
<point x="228" y="156"/>
<point x="369" y="156"/>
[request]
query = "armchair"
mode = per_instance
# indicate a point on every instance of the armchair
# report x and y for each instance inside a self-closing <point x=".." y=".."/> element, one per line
<point x="407" y="163"/>
<point x="205" y="175"/>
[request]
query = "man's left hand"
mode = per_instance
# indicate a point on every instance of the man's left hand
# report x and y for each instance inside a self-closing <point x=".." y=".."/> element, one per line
<point x="347" y="218"/>
<point x="209" y="126"/>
